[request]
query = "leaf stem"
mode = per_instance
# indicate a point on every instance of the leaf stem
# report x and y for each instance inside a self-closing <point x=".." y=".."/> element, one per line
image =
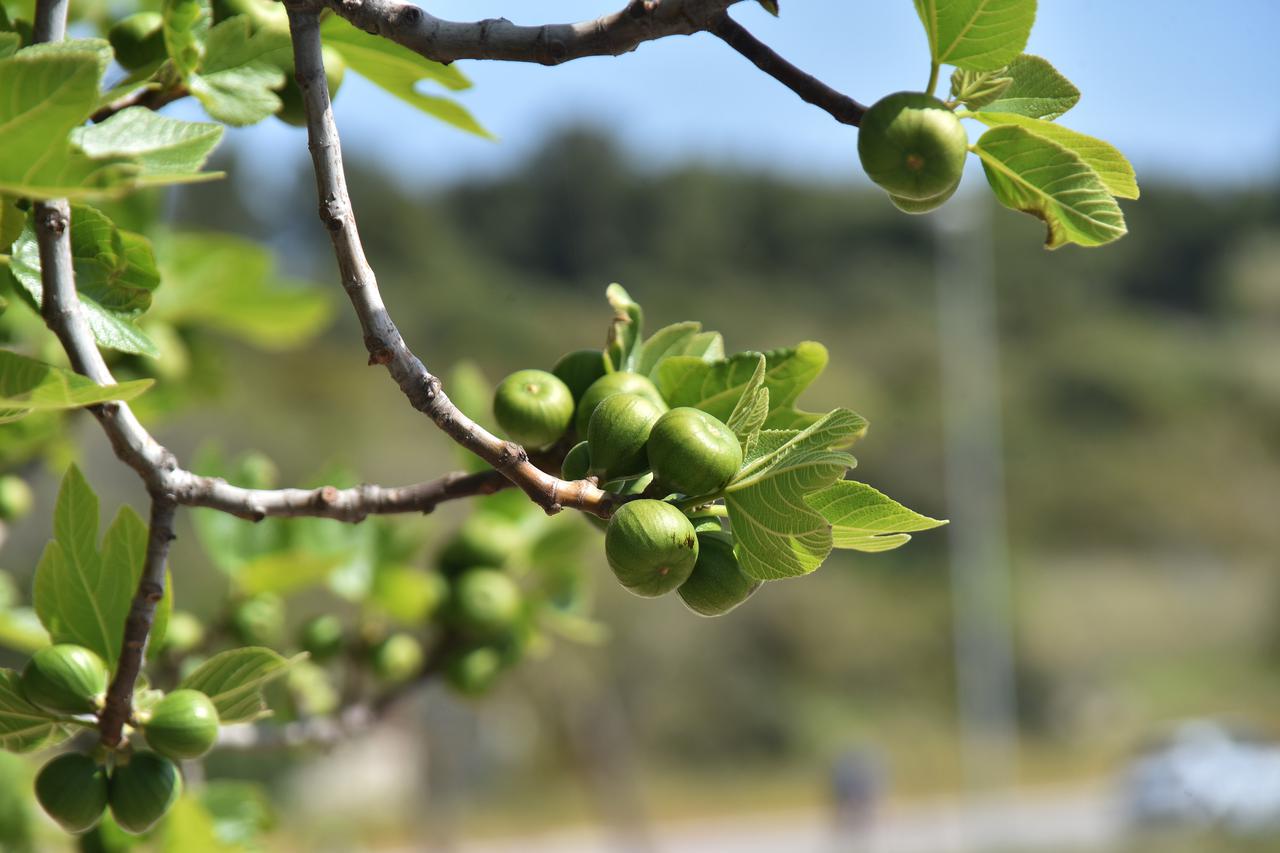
<point x="934" y="67"/>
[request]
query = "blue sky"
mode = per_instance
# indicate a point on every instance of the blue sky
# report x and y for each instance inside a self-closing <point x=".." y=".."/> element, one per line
<point x="1184" y="88"/>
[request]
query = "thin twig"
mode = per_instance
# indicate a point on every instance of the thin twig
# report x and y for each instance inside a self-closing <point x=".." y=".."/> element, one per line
<point x="152" y="98"/>
<point x="810" y="89"/>
<point x="549" y="44"/>
<point x="381" y="337"/>
<point x="137" y="626"/>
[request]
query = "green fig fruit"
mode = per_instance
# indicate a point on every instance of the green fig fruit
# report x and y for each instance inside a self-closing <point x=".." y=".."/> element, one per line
<point x="579" y="369"/>
<point x="912" y="145"/>
<point x="183" y="725"/>
<point x="398" y="658"/>
<point x="534" y="408"/>
<point x="143" y="790"/>
<point x="608" y="385"/>
<point x="717" y="583"/>
<point x="259" y="620"/>
<point x="183" y="633"/>
<point x="486" y="602"/>
<point x="692" y="452"/>
<point x="72" y="789"/>
<point x="651" y="547"/>
<point x="292" y="110"/>
<point x="484" y="539"/>
<point x="473" y="672"/>
<point x="16" y="499"/>
<point x="618" y="434"/>
<point x="65" y="679"/>
<point x="322" y="637"/>
<point x="138" y="40"/>
<point x="928" y="205"/>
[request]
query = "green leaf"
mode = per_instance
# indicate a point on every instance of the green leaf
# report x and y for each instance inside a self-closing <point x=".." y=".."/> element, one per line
<point x="27" y="385"/>
<point x="20" y="629"/>
<point x="190" y="828"/>
<point x="1113" y="168"/>
<point x="115" y="274"/>
<point x="625" y="330"/>
<point x="978" y="35"/>
<point x="186" y="23"/>
<point x="976" y="89"/>
<point x="241" y="811"/>
<point x="165" y="150"/>
<point x="399" y="70"/>
<point x="23" y="726"/>
<point x="284" y="572"/>
<point x="664" y="343"/>
<point x="863" y="519"/>
<point x="776" y="534"/>
<point x="9" y="44"/>
<point x="1038" y="90"/>
<point x="12" y="220"/>
<point x="715" y="387"/>
<point x="237" y="81"/>
<point x="1040" y="177"/>
<point x="82" y="596"/>
<point x="234" y="680"/>
<point x="749" y="414"/>
<point x="230" y="284"/>
<point x="50" y="90"/>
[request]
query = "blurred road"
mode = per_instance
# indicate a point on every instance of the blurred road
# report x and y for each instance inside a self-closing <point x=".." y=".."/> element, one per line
<point x="1060" y="820"/>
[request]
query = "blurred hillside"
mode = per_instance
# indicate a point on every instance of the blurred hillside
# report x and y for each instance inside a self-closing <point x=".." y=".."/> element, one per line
<point x="1141" y="390"/>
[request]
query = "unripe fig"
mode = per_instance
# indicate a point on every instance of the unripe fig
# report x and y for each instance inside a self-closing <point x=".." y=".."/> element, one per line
<point x="474" y="672"/>
<point x="608" y="385"/>
<point x="534" y="407"/>
<point x="65" y="679"/>
<point x="912" y="145"/>
<point x="322" y="637"/>
<point x="717" y="583"/>
<point x="577" y="462"/>
<point x="928" y="205"/>
<point x="579" y="369"/>
<point x="183" y="725"/>
<point x="692" y="452"/>
<point x="397" y="658"/>
<point x="259" y="620"/>
<point x="484" y="539"/>
<point x="183" y="633"/>
<point x="618" y="434"/>
<point x="15" y="497"/>
<point x="291" y="109"/>
<point x="142" y="791"/>
<point x="72" y="789"/>
<point x="486" y="602"/>
<point x="138" y="40"/>
<point x="651" y="547"/>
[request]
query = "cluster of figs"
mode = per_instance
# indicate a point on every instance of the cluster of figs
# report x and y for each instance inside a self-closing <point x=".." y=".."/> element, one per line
<point x="672" y="463"/>
<point x="139" y="786"/>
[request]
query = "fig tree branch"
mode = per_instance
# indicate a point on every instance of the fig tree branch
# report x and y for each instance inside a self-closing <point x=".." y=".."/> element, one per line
<point x="810" y="89"/>
<point x="549" y="44"/>
<point x="137" y="625"/>
<point x="381" y="337"/>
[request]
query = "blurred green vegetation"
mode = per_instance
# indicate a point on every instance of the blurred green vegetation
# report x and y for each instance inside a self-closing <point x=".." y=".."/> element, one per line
<point x="1141" y="393"/>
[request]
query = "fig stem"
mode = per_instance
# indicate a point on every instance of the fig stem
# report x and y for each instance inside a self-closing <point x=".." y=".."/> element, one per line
<point x="934" y="67"/>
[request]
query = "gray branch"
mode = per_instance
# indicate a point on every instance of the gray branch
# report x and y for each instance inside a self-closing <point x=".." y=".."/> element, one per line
<point x="381" y="337"/>
<point x="549" y="44"/>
